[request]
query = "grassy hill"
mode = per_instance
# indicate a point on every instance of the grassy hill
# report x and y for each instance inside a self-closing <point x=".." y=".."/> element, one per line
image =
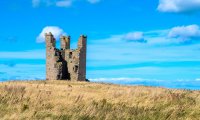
<point x="92" y="101"/>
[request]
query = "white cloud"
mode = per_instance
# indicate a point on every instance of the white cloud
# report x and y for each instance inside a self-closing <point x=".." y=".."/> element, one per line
<point x="198" y="79"/>
<point x="35" y="3"/>
<point x="64" y="3"/>
<point x="56" y="31"/>
<point x="179" y="35"/>
<point x="179" y="6"/>
<point x="185" y="33"/>
<point x="93" y="1"/>
<point x="134" y="37"/>
<point x="59" y="3"/>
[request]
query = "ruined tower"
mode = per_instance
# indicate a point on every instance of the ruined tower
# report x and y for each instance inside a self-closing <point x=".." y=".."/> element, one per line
<point x="65" y="63"/>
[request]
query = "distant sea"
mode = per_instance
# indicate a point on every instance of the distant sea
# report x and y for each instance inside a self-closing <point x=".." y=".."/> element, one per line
<point x="174" y="84"/>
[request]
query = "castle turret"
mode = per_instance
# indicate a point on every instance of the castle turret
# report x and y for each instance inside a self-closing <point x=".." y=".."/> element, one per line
<point x="50" y="40"/>
<point x="82" y="58"/>
<point x="65" y="42"/>
<point x="82" y="42"/>
<point x="50" y="48"/>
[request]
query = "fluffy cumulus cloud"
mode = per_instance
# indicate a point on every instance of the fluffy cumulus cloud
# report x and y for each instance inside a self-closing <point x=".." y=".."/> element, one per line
<point x="179" y="6"/>
<point x="134" y="37"/>
<point x="59" y="3"/>
<point x="56" y="31"/>
<point x="184" y="34"/>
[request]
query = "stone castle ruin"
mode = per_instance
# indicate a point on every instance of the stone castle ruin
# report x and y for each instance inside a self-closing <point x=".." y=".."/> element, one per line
<point x="65" y="63"/>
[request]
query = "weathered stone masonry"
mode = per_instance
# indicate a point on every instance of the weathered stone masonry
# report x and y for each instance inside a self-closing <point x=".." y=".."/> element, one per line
<point x="65" y="63"/>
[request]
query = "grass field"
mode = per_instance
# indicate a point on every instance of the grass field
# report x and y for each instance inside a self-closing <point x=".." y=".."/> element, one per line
<point x="61" y="100"/>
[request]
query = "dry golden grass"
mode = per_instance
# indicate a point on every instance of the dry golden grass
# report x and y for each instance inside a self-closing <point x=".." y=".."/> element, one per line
<point x="61" y="100"/>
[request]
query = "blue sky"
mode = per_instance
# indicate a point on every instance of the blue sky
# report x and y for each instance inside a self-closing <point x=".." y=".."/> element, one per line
<point x="133" y="42"/>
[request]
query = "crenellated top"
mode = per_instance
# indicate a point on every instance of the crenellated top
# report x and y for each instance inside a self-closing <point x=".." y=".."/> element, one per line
<point x="82" y="41"/>
<point x="50" y="40"/>
<point x="65" y="42"/>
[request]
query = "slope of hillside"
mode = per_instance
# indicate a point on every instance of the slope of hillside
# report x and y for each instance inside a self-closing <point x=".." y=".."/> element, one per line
<point x="84" y="101"/>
